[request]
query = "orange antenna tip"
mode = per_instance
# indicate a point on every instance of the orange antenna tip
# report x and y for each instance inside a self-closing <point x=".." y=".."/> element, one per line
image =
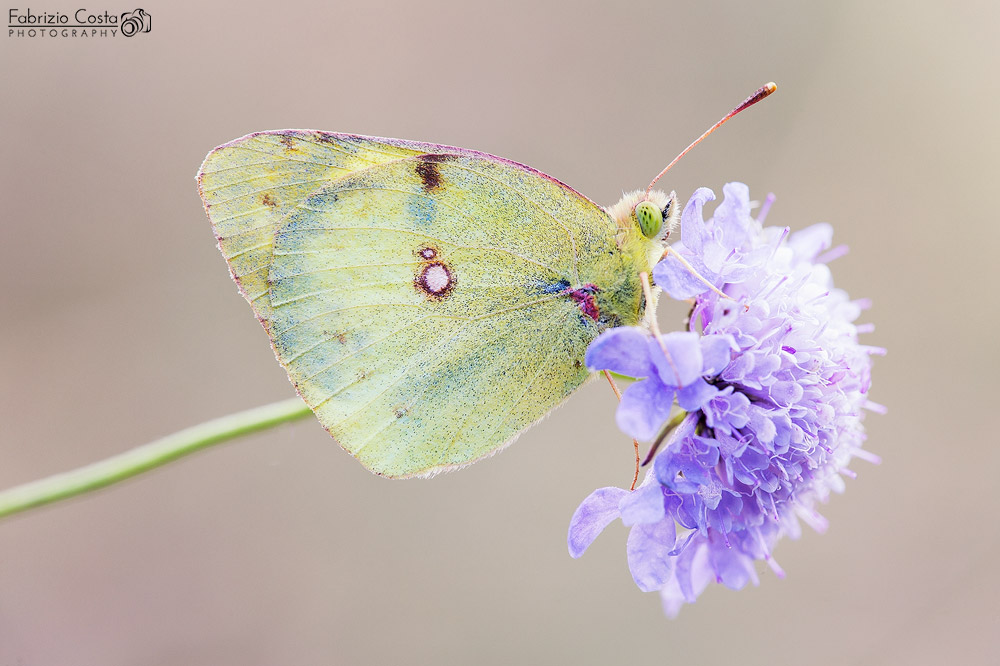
<point x="760" y="94"/>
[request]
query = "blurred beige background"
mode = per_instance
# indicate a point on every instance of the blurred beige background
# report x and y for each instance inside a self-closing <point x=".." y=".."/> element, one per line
<point x="119" y="323"/>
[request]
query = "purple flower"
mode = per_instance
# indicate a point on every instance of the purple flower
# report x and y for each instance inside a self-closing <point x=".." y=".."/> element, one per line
<point x="724" y="250"/>
<point x="672" y="366"/>
<point x="774" y="384"/>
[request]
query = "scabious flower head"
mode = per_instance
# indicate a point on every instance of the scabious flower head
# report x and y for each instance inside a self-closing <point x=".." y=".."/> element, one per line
<point x="773" y="381"/>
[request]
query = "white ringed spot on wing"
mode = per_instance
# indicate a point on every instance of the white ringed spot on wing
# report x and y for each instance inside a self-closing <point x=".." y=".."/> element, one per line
<point x="435" y="280"/>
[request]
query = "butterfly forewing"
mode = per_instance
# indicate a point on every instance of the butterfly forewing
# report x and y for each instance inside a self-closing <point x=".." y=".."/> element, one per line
<point x="249" y="185"/>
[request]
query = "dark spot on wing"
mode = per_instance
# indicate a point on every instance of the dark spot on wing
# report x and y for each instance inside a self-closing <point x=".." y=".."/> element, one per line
<point x="427" y="169"/>
<point x="288" y="142"/>
<point x="268" y="200"/>
<point x="429" y="174"/>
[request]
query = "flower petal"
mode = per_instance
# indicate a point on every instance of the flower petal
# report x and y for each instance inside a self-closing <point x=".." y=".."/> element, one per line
<point x="762" y="425"/>
<point x="622" y="350"/>
<point x="643" y="505"/>
<point x="785" y="393"/>
<point x="679" y="471"/>
<point x="732" y="568"/>
<point x="696" y="395"/>
<point x="685" y="362"/>
<point x="693" y="572"/>
<point x="648" y="551"/>
<point x="809" y="242"/>
<point x="733" y="215"/>
<point x="590" y="518"/>
<point x="644" y="407"/>
<point x="716" y="350"/>
<point x="694" y="231"/>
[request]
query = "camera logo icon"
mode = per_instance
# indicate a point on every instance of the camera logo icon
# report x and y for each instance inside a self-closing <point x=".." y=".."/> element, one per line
<point x="134" y="22"/>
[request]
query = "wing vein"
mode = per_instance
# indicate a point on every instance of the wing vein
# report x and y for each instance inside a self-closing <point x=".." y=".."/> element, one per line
<point x="569" y="233"/>
<point x="495" y="394"/>
<point x="437" y="201"/>
<point x="394" y="383"/>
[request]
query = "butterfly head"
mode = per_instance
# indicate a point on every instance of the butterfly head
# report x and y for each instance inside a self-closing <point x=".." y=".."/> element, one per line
<point x="650" y="216"/>
<point x="644" y="222"/>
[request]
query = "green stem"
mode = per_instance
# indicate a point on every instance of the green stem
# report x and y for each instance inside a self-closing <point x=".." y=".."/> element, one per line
<point x="673" y="423"/>
<point x="148" y="456"/>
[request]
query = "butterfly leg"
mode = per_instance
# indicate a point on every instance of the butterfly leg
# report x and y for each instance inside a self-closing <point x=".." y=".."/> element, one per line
<point x="653" y="326"/>
<point x="693" y="272"/>
<point x="635" y="442"/>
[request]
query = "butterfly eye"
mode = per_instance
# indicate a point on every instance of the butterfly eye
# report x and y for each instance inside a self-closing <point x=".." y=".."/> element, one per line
<point x="650" y="218"/>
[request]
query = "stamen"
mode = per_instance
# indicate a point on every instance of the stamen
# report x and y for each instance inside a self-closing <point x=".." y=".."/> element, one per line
<point x="867" y="456"/>
<point x="813" y="520"/>
<point x="778" y="284"/>
<point x="863" y="303"/>
<point x="875" y="407"/>
<point x="680" y="549"/>
<point x="816" y="298"/>
<point x="775" y="567"/>
<point x="830" y="255"/>
<point x="781" y="239"/>
<point x="765" y="207"/>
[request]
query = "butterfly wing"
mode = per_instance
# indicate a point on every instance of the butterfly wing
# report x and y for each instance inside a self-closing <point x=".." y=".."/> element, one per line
<point x="428" y="307"/>
<point x="249" y="185"/>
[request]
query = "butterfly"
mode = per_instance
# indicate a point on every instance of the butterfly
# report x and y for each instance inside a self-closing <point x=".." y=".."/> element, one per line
<point x="428" y="302"/>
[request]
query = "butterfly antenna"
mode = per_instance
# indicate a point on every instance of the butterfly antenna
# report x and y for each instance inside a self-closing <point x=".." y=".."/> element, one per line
<point x="761" y="93"/>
